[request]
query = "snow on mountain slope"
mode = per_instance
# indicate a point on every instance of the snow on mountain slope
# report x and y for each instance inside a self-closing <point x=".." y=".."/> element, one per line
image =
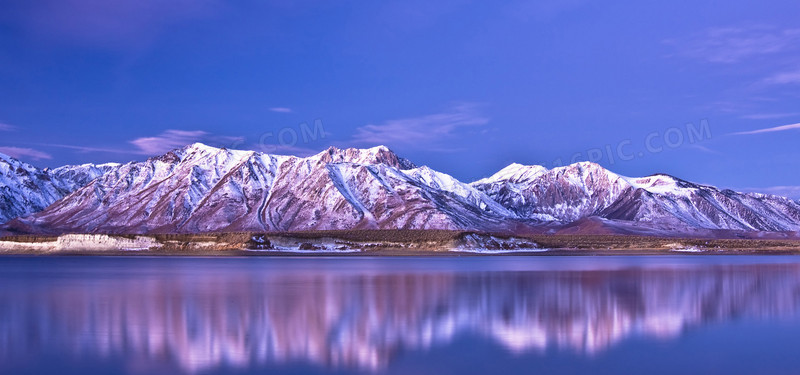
<point x="586" y="189"/>
<point x="669" y="200"/>
<point x="367" y="196"/>
<point x="73" y="177"/>
<point x="202" y="189"/>
<point x="167" y="192"/>
<point x="514" y="173"/>
<point x="566" y="193"/>
<point x="374" y="155"/>
<point x="25" y="189"/>
<point x="345" y="189"/>
<point x="444" y="182"/>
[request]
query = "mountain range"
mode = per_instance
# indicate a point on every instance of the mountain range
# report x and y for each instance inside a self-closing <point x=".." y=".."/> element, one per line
<point x="205" y="189"/>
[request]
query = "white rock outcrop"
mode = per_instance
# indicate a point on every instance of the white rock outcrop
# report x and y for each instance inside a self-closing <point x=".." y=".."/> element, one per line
<point x="84" y="242"/>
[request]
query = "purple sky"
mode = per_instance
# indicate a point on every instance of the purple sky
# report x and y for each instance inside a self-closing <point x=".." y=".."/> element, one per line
<point x="465" y="87"/>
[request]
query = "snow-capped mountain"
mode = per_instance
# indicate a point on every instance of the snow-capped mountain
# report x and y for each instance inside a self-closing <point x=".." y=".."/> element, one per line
<point x="26" y="189"/>
<point x="204" y="189"/>
<point x="73" y="177"/>
<point x="200" y="189"/>
<point x="564" y="194"/>
<point x="586" y="189"/>
<point x="444" y="182"/>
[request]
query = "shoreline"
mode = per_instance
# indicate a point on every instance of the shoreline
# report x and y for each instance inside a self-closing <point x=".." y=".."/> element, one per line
<point x="396" y="254"/>
<point x="389" y="243"/>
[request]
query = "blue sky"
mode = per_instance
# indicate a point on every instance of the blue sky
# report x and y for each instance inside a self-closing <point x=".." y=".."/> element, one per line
<point x="465" y="87"/>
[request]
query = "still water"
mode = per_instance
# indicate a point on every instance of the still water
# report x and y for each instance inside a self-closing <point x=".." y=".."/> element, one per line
<point x="507" y="315"/>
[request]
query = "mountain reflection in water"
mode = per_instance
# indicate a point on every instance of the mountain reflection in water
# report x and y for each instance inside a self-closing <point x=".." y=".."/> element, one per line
<point x="201" y="314"/>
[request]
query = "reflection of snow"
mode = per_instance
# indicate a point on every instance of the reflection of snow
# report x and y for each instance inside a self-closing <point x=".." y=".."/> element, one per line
<point x="208" y="318"/>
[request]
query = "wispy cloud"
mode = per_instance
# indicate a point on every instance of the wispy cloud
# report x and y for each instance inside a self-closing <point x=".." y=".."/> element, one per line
<point x="424" y="131"/>
<point x="784" y="78"/>
<point x="769" y="116"/>
<point x="735" y="44"/>
<point x="149" y="146"/>
<point x="6" y="127"/>
<point x="705" y="149"/>
<point x="22" y="152"/>
<point x="172" y="139"/>
<point x="281" y="109"/>
<point x="279" y="149"/>
<point x="86" y="149"/>
<point x="770" y="130"/>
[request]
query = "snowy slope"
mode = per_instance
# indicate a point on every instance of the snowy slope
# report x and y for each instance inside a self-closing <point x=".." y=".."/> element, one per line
<point x="585" y="189"/>
<point x="73" y="177"/>
<point x="566" y="193"/>
<point x="26" y="189"/>
<point x="666" y="199"/>
<point x="204" y="189"/>
<point x="464" y="192"/>
<point x="200" y="189"/>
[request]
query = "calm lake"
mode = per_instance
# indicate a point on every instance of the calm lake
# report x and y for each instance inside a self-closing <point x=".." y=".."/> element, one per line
<point x="468" y="315"/>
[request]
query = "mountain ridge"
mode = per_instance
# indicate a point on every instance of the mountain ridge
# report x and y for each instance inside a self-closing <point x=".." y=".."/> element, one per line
<point x="27" y="189"/>
<point x="198" y="188"/>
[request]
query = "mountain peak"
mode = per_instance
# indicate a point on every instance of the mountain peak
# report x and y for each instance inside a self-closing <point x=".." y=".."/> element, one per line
<point x="372" y="150"/>
<point x="10" y="165"/>
<point x="373" y="155"/>
<point x="200" y="147"/>
<point x="581" y="167"/>
<point x="515" y="173"/>
<point x="28" y="189"/>
<point x="197" y="150"/>
<point x="588" y="164"/>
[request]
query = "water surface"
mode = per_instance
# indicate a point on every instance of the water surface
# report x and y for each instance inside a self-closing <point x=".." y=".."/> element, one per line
<point x="471" y="315"/>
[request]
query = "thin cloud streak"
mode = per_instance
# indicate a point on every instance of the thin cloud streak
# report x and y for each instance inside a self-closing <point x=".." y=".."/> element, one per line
<point x="281" y="110"/>
<point x="86" y="149"/>
<point x="24" y="152"/>
<point x="705" y="149"/>
<point x="278" y="149"/>
<point x="424" y="131"/>
<point x="769" y="116"/>
<point x="6" y="127"/>
<point x="172" y="139"/>
<point x="157" y="145"/>
<point x="735" y="44"/>
<point x="784" y="78"/>
<point x="770" y="130"/>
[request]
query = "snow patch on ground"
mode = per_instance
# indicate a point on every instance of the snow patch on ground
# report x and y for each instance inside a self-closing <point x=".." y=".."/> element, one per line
<point x="491" y="251"/>
<point x="326" y="250"/>
<point x="488" y="244"/>
<point x="681" y="248"/>
<point x="84" y="242"/>
<point x="690" y="249"/>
